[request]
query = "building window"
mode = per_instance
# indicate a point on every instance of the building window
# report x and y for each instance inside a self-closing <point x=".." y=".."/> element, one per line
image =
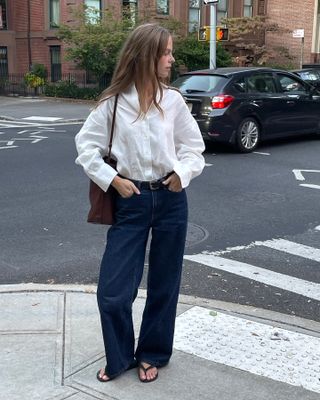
<point x="93" y="12"/>
<point x="222" y="11"/>
<point x="130" y="10"/>
<point x="163" y="7"/>
<point x="54" y="13"/>
<point x="3" y="14"/>
<point x="194" y="15"/>
<point x="247" y="8"/>
<point x="3" y="62"/>
<point x="55" y="61"/>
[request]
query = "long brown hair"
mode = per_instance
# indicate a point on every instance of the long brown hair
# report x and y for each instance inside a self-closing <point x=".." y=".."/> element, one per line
<point x="138" y="64"/>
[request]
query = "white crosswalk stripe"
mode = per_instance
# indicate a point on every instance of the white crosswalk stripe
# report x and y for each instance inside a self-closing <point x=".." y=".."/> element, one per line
<point x="261" y="273"/>
<point x="294" y="248"/>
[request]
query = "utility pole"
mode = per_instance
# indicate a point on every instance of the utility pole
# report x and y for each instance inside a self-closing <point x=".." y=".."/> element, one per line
<point x="213" y="29"/>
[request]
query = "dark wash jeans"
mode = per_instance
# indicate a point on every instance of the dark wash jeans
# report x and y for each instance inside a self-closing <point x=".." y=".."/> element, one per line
<point x="165" y="213"/>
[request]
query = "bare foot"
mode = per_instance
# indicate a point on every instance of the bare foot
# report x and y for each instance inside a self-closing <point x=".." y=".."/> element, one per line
<point x="147" y="373"/>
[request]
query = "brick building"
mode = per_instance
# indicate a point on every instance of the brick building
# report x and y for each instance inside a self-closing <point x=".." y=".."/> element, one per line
<point x="303" y="15"/>
<point x="28" y="28"/>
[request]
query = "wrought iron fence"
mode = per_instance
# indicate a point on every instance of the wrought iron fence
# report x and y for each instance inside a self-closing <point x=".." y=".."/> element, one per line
<point x="14" y="84"/>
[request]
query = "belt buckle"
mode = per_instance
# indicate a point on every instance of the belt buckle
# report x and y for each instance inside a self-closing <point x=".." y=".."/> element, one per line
<point x="154" y="185"/>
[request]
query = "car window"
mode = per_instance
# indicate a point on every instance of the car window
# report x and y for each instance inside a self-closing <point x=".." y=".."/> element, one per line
<point x="261" y="83"/>
<point x="291" y="85"/>
<point x="199" y="83"/>
<point x="310" y="75"/>
<point x="240" y="85"/>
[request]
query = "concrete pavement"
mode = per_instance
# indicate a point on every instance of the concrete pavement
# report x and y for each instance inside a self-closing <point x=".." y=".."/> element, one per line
<point x="51" y="348"/>
<point x="51" y="345"/>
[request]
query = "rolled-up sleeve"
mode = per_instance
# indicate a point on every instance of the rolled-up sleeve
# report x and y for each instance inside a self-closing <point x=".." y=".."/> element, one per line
<point x="92" y="145"/>
<point x="188" y="143"/>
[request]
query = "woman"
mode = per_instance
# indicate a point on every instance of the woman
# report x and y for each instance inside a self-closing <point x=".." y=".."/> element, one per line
<point x="158" y="147"/>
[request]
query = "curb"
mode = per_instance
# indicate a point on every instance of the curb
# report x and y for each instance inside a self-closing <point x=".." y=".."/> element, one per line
<point x="284" y="321"/>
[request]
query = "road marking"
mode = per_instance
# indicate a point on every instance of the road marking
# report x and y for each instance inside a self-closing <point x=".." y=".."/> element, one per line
<point x="281" y="281"/>
<point x="317" y="228"/>
<point x="208" y="165"/>
<point x="294" y="248"/>
<point x="299" y="177"/>
<point x="263" y="154"/>
<point x="257" y="348"/>
<point x="38" y="118"/>
<point x="7" y="147"/>
<point x="298" y="173"/>
<point x="310" y="186"/>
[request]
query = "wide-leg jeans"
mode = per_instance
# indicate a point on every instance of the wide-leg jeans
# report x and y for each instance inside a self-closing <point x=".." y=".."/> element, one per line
<point x="164" y="214"/>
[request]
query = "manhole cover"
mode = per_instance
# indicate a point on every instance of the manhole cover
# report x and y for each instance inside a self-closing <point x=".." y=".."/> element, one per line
<point x="195" y="234"/>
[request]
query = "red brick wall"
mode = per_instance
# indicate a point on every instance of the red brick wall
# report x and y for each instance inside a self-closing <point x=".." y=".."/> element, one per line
<point x="291" y="15"/>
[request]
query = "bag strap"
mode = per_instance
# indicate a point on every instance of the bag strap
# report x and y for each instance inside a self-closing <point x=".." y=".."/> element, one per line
<point x="112" y="126"/>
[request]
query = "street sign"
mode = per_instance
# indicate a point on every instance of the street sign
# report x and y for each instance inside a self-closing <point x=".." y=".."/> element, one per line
<point x="298" y="33"/>
<point x="210" y="1"/>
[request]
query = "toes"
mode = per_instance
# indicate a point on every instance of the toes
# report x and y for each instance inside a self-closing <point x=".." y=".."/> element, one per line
<point x="103" y="376"/>
<point x="150" y="374"/>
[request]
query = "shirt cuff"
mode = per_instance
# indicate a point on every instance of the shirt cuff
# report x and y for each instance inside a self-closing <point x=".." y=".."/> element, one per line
<point x="104" y="177"/>
<point x="185" y="176"/>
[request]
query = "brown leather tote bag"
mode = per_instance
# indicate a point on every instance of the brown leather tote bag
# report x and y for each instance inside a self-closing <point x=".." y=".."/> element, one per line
<point x="101" y="202"/>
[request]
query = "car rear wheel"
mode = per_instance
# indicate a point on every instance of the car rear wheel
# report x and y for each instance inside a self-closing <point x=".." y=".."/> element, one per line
<point x="248" y="135"/>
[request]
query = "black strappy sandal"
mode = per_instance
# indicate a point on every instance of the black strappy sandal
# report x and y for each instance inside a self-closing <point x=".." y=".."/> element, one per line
<point x="141" y="367"/>
<point x="100" y="379"/>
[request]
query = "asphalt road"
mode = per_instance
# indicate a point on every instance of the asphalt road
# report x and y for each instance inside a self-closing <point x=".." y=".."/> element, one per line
<point x="238" y="200"/>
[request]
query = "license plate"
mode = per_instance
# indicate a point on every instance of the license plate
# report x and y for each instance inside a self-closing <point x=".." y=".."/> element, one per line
<point x="190" y="106"/>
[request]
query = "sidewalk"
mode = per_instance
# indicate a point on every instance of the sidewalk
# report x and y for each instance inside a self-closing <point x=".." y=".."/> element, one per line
<point x="51" y="348"/>
<point x="48" y="110"/>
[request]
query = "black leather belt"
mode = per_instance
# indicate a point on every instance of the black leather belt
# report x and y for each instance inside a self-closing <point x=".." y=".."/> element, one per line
<point x="151" y="185"/>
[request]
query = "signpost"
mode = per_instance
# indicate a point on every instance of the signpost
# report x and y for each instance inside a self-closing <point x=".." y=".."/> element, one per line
<point x="213" y="27"/>
<point x="299" y="33"/>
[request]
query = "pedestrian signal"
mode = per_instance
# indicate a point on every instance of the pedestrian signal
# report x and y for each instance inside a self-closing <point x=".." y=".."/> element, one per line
<point x="204" y="34"/>
<point x="222" y="34"/>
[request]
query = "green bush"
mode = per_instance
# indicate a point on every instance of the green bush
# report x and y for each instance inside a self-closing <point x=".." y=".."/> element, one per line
<point x="32" y="80"/>
<point x="39" y="70"/>
<point x="194" y="55"/>
<point x="69" y="89"/>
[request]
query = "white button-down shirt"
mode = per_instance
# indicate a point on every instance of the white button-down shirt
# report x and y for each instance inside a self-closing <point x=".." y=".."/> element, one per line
<point x="146" y="148"/>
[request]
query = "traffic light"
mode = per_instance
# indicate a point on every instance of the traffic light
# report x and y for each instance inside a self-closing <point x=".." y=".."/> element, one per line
<point x="222" y="34"/>
<point x="204" y="34"/>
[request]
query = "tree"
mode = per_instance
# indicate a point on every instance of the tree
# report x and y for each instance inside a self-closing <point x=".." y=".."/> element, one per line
<point x="192" y="54"/>
<point x="94" y="40"/>
<point x="248" y="36"/>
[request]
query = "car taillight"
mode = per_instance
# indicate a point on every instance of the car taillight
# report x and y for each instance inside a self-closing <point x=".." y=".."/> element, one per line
<point x="221" y="101"/>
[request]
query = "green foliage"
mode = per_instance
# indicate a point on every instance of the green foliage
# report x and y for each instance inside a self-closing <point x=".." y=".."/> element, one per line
<point x="32" y="80"/>
<point x="224" y="58"/>
<point x="248" y="35"/>
<point x="194" y="55"/>
<point x="39" y="70"/>
<point x="69" y="89"/>
<point x="94" y="43"/>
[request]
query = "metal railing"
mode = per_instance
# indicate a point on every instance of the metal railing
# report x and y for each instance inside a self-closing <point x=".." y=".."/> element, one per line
<point x="14" y="84"/>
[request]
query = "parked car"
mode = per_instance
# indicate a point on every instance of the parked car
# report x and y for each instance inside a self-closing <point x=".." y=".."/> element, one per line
<point x="310" y="75"/>
<point x="245" y="105"/>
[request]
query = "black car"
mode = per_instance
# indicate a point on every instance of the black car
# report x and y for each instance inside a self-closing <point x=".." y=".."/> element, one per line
<point x="243" y="106"/>
<point x="310" y="75"/>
